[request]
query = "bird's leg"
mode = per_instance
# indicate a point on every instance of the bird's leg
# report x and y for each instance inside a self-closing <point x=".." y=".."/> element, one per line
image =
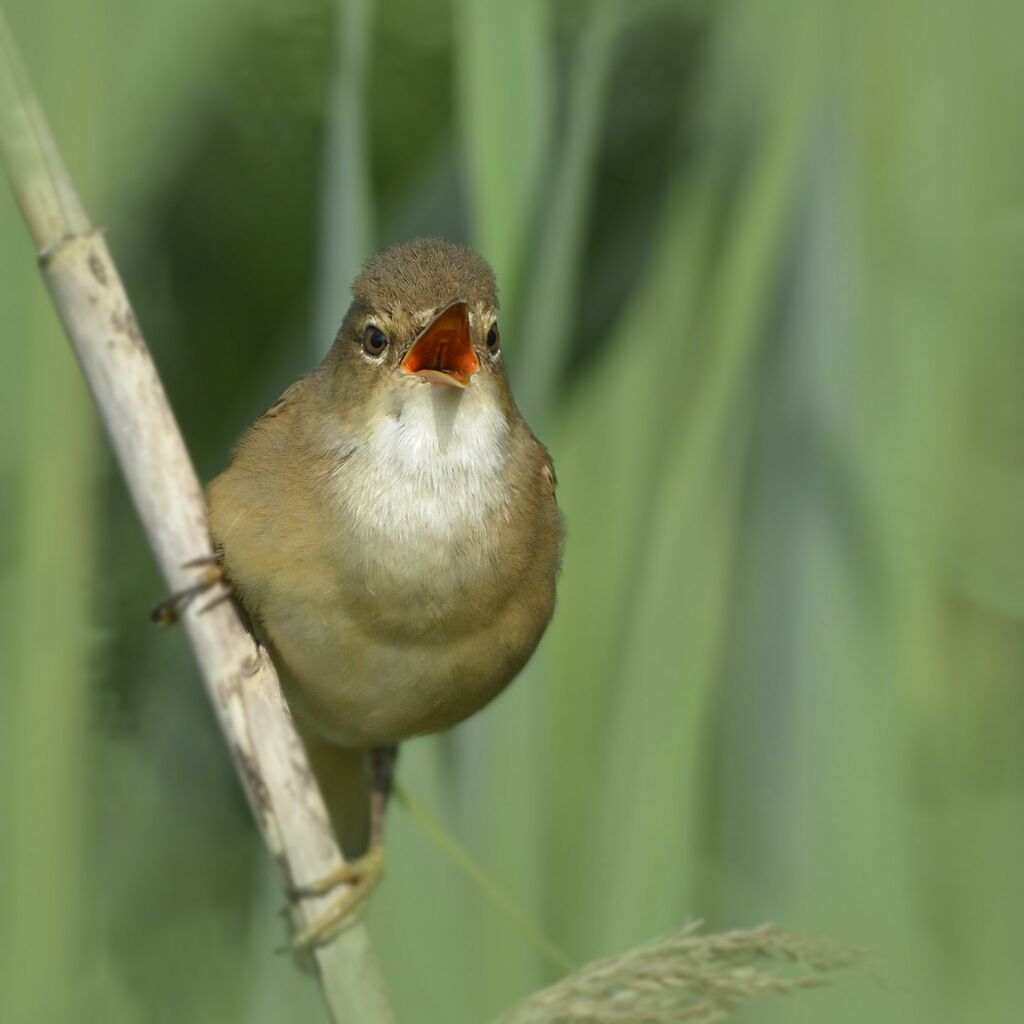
<point x="167" y="612"/>
<point x="361" y="875"/>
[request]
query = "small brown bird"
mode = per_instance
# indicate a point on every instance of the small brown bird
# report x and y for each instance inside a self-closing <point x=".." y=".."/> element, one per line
<point x="390" y="525"/>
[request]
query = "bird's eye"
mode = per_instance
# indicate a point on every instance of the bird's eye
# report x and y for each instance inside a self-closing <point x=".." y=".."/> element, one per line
<point x="493" y="338"/>
<point x="374" y="340"/>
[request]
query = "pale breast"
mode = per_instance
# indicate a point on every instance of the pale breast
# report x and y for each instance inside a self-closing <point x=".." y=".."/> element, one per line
<point x="420" y="505"/>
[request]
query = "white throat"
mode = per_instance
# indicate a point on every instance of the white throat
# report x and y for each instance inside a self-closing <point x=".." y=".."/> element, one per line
<point x="432" y="469"/>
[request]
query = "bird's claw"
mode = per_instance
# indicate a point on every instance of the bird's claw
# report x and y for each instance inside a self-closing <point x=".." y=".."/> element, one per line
<point x="360" y="877"/>
<point x="169" y="610"/>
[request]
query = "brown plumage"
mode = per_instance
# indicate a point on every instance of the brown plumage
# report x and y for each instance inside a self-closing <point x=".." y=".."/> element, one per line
<point x="395" y="540"/>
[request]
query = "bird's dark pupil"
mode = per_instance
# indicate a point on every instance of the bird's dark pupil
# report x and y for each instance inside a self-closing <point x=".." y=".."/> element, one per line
<point x="492" y="336"/>
<point x="375" y="339"/>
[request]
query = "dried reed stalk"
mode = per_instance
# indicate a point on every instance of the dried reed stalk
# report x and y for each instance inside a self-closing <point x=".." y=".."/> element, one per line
<point x="241" y="682"/>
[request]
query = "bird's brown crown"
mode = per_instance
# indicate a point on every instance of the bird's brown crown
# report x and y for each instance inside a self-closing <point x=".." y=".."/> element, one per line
<point x="422" y="274"/>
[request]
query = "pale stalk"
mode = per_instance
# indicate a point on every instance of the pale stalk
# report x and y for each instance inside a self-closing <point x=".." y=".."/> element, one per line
<point x="240" y="680"/>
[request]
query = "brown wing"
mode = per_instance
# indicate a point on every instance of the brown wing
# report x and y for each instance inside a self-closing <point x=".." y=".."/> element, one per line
<point x="286" y="403"/>
<point x="547" y="470"/>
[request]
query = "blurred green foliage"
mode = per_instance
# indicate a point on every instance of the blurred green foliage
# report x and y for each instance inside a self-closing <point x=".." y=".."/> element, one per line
<point x="761" y="267"/>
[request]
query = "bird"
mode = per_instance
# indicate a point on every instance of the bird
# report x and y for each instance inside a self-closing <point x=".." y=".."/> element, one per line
<point x="391" y="528"/>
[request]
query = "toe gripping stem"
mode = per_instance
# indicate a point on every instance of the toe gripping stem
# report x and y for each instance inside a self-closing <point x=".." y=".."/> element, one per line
<point x="361" y="876"/>
<point x="169" y="610"/>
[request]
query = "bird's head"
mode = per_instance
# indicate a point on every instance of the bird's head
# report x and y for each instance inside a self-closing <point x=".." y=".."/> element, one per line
<point x="423" y="323"/>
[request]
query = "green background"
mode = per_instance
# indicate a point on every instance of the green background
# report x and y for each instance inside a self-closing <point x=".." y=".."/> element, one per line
<point x="761" y="267"/>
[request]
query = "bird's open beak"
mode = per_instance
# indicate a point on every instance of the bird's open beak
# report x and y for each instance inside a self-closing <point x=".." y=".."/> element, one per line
<point x="443" y="353"/>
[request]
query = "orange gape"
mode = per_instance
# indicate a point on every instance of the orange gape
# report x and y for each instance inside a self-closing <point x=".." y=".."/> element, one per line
<point x="443" y="353"/>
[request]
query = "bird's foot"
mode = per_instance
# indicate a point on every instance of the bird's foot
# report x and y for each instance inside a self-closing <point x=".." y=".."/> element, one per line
<point x="169" y="610"/>
<point x="361" y="877"/>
